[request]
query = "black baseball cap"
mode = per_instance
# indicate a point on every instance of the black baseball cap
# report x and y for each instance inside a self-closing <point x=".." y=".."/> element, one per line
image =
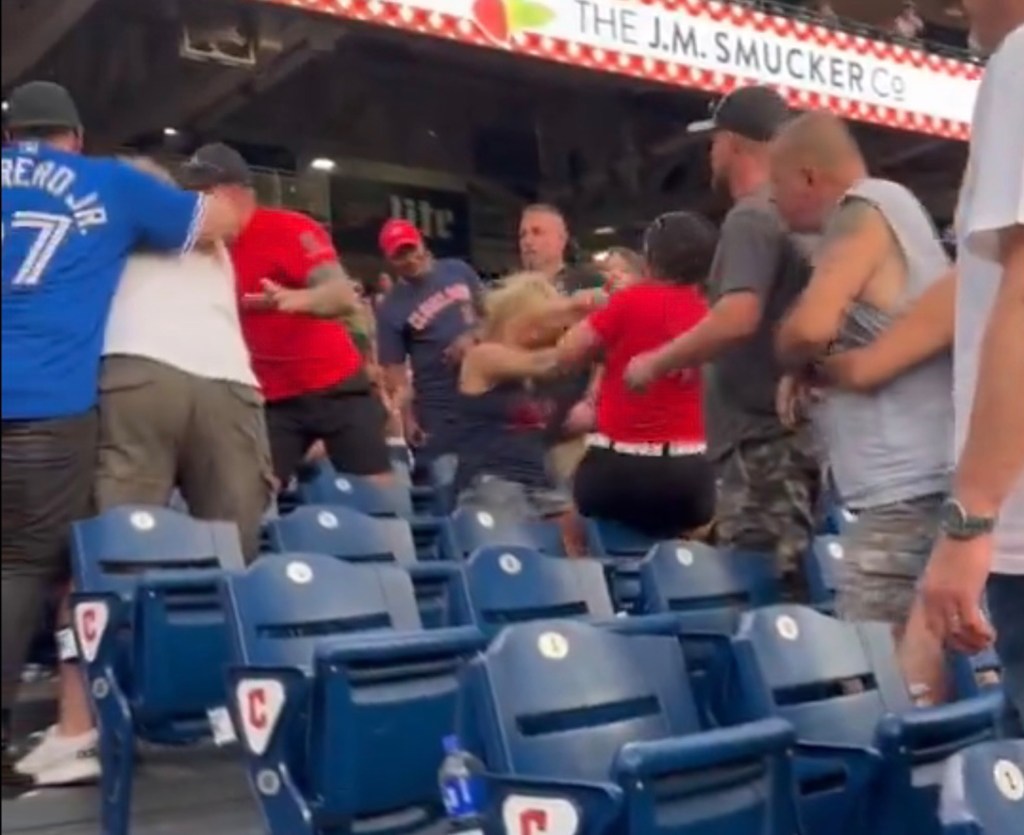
<point x="216" y="164"/>
<point x="754" y="113"/>
<point x="680" y="246"/>
<point x="42" y="104"/>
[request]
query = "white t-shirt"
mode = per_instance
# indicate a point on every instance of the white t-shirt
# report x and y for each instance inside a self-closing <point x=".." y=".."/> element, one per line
<point x="991" y="199"/>
<point x="182" y="311"/>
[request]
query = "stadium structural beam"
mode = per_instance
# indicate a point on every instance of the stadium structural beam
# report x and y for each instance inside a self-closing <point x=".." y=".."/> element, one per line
<point x="40" y="29"/>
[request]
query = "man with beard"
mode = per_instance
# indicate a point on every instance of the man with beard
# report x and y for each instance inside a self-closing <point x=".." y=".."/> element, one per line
<point x="768" y="474"/>
<point x="427" y="320"/>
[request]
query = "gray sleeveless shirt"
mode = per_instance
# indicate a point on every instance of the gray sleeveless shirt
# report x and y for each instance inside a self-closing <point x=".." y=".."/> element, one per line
<point x="895" y="443"/>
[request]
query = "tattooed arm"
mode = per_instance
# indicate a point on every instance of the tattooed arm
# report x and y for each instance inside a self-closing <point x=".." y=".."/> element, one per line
<point x="856" y="243"/>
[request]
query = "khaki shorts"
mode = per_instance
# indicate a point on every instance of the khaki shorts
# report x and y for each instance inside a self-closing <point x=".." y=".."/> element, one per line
<point x="161" y="428"/>
<point x="564" y="458"/>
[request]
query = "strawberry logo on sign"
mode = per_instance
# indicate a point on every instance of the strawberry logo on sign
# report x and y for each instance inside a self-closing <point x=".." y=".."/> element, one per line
<point x="525" y="815"/>
<point x="90" y="623"/>
<point x="499" y="20"/>
<point x="259" y="703"/>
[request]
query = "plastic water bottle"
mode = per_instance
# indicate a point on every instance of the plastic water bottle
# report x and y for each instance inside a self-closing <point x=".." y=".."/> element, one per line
<point x="461" y="781"/>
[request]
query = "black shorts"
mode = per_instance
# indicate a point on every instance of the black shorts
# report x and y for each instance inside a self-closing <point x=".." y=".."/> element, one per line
<point x="661" y="496"/>
<point x="350" y="420"/>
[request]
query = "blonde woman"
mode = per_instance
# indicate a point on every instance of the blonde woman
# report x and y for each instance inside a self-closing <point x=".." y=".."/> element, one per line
<point x="502" y="415"/>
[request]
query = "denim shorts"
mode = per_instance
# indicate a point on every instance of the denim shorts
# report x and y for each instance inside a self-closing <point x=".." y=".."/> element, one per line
<point x="489" y="491"/>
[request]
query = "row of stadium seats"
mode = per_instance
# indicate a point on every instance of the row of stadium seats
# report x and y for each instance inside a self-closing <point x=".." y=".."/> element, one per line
<point x="331" y="673"/>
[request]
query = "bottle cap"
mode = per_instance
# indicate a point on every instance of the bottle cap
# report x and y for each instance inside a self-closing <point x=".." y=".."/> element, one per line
<point x="451" y="744"/>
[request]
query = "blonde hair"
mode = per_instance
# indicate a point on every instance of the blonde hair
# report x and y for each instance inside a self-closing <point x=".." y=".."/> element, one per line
<point x="520" y="294"/>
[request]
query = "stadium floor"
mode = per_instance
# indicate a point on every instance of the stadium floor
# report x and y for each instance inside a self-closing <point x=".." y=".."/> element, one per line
<point x="176" y="791"/>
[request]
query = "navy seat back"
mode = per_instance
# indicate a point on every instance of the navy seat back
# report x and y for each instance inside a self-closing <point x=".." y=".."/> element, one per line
<point x="468" y="529"/>
<point x="983" y="790"/>
<point x="832" y="680"/>
<point x="566" y="696"/>
<point x="321" y="484"/>
<point x="338" y="688"/>
<point x="285" y="605"/>
<point x="341" y="532"/>
<point x="707" y="588"/>
<point x="151" y="633"/>
<point x="606" y="538"/>
<point x="823" y="565"/>
<point x="517" y="584"/>
<point x="110" y="551"/>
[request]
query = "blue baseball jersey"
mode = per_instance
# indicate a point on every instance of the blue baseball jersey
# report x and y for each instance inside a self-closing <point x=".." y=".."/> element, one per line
<point x="69" y="224"/>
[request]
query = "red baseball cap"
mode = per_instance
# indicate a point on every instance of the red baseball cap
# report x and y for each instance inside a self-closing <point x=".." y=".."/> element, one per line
<point x="397" y="233"/>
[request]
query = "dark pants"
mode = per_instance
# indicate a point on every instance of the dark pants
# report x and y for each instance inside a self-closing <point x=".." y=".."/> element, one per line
<point x="349" y="419"/>
<point x="47" y="479"/>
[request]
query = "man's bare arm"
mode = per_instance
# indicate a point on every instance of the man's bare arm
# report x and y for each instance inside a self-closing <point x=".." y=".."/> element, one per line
<point x="993" y="458"/>
<point x="856" y="242"/>
<point x="923" y="332"/>
<point x="734" y="318"/>
<point x="331" y="294"/>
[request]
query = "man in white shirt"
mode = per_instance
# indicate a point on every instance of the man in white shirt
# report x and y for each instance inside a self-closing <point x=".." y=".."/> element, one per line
<point x="179" y="407"/>
<point x="983" y="520"/>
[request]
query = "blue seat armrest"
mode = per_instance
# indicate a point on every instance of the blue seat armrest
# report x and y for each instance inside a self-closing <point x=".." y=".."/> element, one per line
<point x="938" y="728"/>
<point x="399" y="646"/>
<point x="861" y="763"/>
<point x="424" y="524"/>
<point x="643" y="760"/>
<point x="656" y="624"/>
<point x="597" y="806"/>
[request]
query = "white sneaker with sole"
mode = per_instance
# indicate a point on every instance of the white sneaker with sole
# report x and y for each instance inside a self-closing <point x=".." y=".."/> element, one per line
<point x="62" y="760"/>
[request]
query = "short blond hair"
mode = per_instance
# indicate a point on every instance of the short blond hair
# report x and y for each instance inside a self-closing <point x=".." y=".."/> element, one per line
<point x="520" y="294"/>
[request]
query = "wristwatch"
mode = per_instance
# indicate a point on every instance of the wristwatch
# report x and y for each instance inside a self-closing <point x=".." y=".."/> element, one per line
<point x="957" y="523"/>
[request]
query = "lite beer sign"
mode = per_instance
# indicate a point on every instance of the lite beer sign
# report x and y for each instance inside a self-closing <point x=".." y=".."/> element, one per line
<point x="435" y="223"/>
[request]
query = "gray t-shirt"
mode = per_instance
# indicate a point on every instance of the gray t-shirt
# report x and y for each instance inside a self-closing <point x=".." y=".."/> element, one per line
<point x="755" y="254"/>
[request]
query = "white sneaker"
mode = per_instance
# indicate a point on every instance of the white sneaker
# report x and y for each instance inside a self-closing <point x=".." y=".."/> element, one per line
<point x="62" y="760"/>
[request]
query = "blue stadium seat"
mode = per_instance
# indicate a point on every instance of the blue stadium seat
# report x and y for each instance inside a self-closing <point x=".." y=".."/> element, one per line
<point x="598" y="731"/>
<point x="823" y="563"/>
<point x="983" y="792"/>
<point x="865" y="756"/>
<point x="321" y="484"/>
<point x="350" y="535"/>
<point x="517" y="584"/>
<point x="707" y="589"/>
<point x="342" y="532"/>
<point x="470" y="528"/>
<point x="339" y="699"/>
<point x="151" y="633"/>
<point x="625" y="547"/>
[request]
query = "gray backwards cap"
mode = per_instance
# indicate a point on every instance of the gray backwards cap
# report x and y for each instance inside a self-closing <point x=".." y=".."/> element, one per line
<point x="42" y="104"/>
<point x="755" y="113"/>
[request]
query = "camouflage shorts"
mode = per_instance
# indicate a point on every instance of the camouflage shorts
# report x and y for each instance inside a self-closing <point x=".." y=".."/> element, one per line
<point x="767" y="500"/>
<point x="887" y="549"/>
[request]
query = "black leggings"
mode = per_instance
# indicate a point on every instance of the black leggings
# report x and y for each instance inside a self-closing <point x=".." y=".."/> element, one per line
<point x="660" y="496"/>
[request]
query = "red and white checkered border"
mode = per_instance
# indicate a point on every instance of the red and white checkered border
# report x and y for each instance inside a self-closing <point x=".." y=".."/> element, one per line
<point x="400" y="16"/>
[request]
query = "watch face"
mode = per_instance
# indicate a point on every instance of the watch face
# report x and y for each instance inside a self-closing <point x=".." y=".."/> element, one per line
<point x="953" y="516"/>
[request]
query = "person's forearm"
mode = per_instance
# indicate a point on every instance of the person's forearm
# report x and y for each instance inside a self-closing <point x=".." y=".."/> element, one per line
<point x="698" y="346"/>
<point x="794" y="348"/>
<point x="332" y="299"/>
<point x="992" y="462"/>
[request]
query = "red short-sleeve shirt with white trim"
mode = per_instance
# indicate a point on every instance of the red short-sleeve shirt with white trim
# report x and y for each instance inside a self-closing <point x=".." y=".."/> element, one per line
<point x="636" y="319"/>
<point x="292" y="354"/>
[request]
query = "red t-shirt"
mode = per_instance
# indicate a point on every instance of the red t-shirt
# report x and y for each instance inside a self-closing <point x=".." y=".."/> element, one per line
<point x="637" y="319"/>
<point x="291" y="354"/>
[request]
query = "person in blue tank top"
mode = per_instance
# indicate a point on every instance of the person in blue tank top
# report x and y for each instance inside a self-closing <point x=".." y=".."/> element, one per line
<point x="69" y="224"/>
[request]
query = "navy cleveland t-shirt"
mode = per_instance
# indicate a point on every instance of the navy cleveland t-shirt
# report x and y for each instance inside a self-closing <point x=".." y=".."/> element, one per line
<point x="417" y="321"/>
